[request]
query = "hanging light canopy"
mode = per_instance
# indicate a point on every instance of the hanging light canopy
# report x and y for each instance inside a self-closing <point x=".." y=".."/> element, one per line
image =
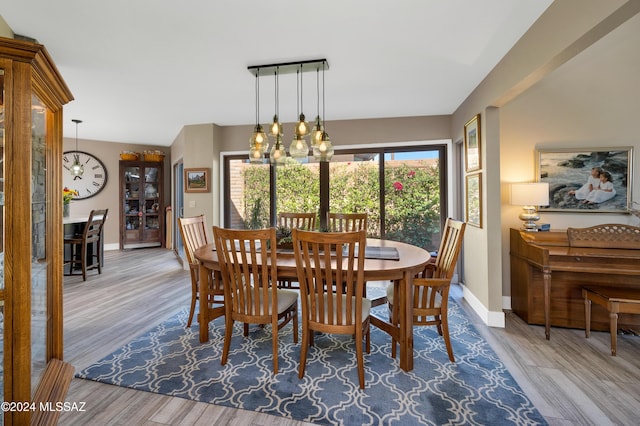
<point x="77" y="169"/>
<point x="299" y="148"/>
<point x="258" y="143"/>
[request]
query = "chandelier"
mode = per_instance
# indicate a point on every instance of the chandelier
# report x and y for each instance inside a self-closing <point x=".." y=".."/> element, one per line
<point x="76" y="168"/>
<point x="321" y="146"/>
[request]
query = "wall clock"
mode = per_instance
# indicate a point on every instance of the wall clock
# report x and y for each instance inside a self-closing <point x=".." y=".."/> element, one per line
<point x="92" y="180"/>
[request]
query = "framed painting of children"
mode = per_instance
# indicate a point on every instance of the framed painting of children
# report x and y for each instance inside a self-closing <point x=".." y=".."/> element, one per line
<point x="590" y="180"/>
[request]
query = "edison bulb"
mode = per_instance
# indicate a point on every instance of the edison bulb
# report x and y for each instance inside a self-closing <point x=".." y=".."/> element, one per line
<point x="302" y="127"/>
<point x="278" y="154"/>
<point x="259" y="139"/>
<point x="276" y="127"/>
<point x="299" y="148"/>
<point x="324" y="150"/>
<point x="255" y="155"/>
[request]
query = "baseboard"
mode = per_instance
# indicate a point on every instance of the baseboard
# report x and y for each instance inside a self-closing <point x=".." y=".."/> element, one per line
<point x="490" y="318"/>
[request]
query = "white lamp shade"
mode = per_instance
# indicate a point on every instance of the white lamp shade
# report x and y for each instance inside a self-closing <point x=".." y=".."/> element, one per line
<point x="530" y="194"/>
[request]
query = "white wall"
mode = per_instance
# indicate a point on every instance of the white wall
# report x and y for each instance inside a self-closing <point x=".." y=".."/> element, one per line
<point x="589" y="102"/>
<point x="516" y="117"/>
<point x="200" y="152"/>
<point x="5" y="30"/>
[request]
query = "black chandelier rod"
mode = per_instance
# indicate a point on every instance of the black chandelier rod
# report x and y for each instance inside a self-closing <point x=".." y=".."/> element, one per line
<point x="290" y="67"/>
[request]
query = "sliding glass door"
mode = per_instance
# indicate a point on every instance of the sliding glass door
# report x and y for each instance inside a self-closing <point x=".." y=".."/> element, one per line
<point x="414" y="195"/>
<point x="398" y="187"/>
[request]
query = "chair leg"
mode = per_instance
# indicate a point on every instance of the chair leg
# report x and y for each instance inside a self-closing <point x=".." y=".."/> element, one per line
<point x="303" y="350"/>
<point x="66" y="262"/>
<point x="447" y="339"/>
<point x="73" y="258"/>
<point x="360" y="357"/>
<point x="367" y="338"/>
<point x="394" y="320"/>
<point x="228" y="331"/>
<point x="98" y="256"/>
<point x="274" y="345"/>
<point x="83" y="261"/>
<point x="194" y="292"/>
<point x="295" y="324"/>
<point x="438" y="321"/>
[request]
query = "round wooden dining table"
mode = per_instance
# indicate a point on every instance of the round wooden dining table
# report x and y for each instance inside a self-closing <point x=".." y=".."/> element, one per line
<point x="411" y="260"/>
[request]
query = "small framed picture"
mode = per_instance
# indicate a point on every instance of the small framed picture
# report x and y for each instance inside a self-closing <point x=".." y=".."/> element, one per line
<point x="196" y="180"/>
<point x="472" y="147"/>
<point x="587" y="180"/>
<point x="473" y="194"/>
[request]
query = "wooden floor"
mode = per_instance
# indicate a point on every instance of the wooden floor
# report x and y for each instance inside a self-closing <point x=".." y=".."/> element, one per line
<point x="570" y="379"/>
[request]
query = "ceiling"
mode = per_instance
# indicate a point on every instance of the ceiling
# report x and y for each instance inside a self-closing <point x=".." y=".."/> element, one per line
<point x="141" y="70"/>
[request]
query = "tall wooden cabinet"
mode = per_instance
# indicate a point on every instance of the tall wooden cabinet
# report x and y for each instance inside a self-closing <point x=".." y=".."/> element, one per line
<point x="32" y="95"/>
<point x="141" y="204"/>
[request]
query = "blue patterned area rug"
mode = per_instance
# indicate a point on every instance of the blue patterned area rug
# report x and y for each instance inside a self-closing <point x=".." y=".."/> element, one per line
<point x="475" y="390"/>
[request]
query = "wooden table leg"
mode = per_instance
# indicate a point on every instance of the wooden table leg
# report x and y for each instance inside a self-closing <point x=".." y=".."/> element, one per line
<point x="406" y="322"/>
<point x="203" y="307"/>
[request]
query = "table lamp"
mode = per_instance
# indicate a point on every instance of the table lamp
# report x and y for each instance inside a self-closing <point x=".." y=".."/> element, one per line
<point x="529" y="196"/>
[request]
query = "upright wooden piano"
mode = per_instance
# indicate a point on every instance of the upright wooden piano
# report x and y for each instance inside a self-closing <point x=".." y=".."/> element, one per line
<point x="549" y="269"/>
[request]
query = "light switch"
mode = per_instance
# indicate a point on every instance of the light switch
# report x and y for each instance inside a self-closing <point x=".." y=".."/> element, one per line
<point x="192" y="204"/>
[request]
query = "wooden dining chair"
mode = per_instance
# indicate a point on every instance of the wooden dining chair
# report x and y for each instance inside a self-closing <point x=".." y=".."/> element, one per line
<point x="80" y="257"/>
<point x="323" y="258"/>
<point x="289" y="220"/>
<point x="194" y="235"/>
<point x="247" y="260"/>
<point x="306" y="221"/>
<point x="431" y="295"/>
<point x="347" y="222"/>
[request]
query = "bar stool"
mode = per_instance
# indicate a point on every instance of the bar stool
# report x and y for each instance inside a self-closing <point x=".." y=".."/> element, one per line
<point x="79" y="245"/>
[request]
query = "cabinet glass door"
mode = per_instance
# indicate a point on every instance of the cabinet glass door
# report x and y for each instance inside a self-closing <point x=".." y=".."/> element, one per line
<point x="151" y="205"/>
<point x="39" y="256"/>
<point x="32" y="94"/>
<point x="132" y="205"/>
<point x="142" y="215"/>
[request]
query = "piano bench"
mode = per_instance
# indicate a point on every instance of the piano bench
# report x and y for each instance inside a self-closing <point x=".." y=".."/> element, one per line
<point x="616" y="300"/>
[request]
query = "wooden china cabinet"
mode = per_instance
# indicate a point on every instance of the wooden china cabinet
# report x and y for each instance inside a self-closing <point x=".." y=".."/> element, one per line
<point x="32" y="94"/>
<point x="141" y="204"/>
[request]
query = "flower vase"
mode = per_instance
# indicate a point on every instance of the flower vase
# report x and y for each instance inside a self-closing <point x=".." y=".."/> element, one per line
<point x="65" y="210"/>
